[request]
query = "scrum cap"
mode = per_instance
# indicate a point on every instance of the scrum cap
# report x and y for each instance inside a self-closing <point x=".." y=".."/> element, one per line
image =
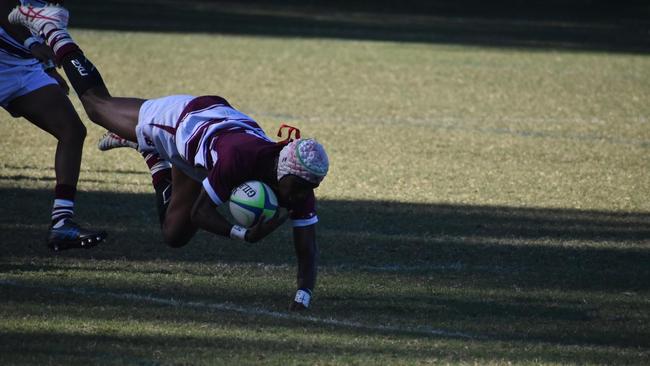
<point x="305" y="158"/>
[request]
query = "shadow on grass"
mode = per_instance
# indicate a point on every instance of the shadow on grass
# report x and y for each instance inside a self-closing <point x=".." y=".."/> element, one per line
<point x="532" y="247"/>
<point x="162" y="349"/>
<point x="135" y="350"/>
<point x="593" y="25"/>
<point x="502" y="259"/>
<point x="188" y="328"/>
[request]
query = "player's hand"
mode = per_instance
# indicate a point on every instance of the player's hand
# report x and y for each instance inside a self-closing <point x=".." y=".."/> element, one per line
<point x="263" y="228"/>
<point x="42" y="52"/>
<point x="301" y="301"/>
<point x="59" y="79"/>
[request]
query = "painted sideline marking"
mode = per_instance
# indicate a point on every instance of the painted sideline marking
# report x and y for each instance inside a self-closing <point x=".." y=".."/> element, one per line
<point x="246" y="310"/>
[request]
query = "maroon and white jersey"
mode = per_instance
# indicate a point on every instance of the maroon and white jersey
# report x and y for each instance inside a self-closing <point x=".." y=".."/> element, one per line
<point x="215" y="144"/>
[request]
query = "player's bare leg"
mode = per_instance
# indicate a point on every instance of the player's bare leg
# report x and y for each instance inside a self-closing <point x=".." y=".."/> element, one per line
<point x="119" y="115"/>
<point x="116" y="114"/>
<point x="177" y="226"/>
<point x="51" y="21"/>
<point x="57" y="116"/>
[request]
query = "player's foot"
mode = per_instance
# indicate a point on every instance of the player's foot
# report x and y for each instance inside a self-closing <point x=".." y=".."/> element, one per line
<point x="111" y="140"/>
<point x="36" y="18"/>
<point x="70" y="235"/>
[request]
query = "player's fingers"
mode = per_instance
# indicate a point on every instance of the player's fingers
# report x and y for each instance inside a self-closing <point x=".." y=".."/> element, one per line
<point x="279" y="219"/>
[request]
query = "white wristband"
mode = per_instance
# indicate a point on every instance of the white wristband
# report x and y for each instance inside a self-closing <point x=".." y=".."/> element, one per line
<point x="238" y="232"/>
<point x="302" y="297"/>
<point x="29" y="42"/>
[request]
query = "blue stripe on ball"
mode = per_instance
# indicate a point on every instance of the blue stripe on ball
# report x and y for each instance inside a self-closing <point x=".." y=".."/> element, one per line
<point x="267" y="201"/>
<point x="256" y="210"/>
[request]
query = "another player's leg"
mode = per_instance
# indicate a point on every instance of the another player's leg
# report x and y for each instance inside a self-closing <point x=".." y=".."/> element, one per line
<point x="119" y="115"/>
<point x="57" y="116"/>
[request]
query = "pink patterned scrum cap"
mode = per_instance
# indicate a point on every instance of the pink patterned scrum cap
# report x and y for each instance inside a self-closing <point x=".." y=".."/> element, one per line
<point x="305" y="158"/>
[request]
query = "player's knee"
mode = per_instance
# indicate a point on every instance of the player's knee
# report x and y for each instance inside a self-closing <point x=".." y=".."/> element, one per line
<point x="174" y="238"/>
<point x="175" y="243"/>
<point x="80" y="131"/>
<point x="74" y="133"/>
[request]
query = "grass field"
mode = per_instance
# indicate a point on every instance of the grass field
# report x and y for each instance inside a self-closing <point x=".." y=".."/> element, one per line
<point x="485" y="206"/>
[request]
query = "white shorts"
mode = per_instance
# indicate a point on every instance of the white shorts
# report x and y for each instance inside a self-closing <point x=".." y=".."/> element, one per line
<point x="164" y="112"/>
<point x="16" y="81"/>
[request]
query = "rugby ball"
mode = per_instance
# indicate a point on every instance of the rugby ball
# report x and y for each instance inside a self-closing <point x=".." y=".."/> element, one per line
<point x="251" y="201"/>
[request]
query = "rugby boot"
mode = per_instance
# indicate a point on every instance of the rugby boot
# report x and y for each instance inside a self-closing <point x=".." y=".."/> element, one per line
<point x="36" y="18"/>
<point x="70" y="235"/>
<point x="112" y="140"/>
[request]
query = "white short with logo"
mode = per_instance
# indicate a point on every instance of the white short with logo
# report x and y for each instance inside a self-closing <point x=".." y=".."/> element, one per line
<point x="164" y="112"/>
<point x="16" y="81"/>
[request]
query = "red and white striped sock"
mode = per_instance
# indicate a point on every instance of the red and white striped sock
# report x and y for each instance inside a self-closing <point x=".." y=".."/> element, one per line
<point x="160" y="169"/>
<point x="59" y="40"/>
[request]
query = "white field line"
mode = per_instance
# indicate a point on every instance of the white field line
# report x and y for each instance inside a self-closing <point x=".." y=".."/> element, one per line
<point x="250" y="311"/>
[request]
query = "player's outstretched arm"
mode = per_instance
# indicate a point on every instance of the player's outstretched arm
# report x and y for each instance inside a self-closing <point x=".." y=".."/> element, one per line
<point x="304" y="239"/>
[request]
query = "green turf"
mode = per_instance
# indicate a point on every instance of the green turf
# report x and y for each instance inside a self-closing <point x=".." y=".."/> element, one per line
<point x="484" y="206"/>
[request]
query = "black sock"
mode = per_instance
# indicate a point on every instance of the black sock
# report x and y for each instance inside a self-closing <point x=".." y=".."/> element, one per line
<point x="81" y="72"/>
